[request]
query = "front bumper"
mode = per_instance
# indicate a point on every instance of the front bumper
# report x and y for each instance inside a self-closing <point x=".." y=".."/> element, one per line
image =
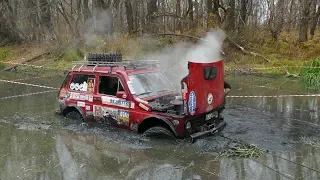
<point x="213" y="130"/>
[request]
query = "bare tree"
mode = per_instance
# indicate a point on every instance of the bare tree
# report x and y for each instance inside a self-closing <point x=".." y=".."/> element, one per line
<point x="231" y="16"/>
<point x="314" y="17"/>
<point x="304" y="20"/>
<point x="129" y="15"/>
<point x="276" y="19"/>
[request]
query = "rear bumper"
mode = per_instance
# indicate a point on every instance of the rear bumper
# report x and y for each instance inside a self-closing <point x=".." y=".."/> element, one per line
<point x="213" y="130"/>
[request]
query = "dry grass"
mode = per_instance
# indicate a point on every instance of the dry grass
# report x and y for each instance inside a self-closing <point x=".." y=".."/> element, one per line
<point x="242" y="151"/>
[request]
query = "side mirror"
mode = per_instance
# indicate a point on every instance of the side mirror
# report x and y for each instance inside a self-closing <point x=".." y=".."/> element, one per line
<point x="121" y="94"/>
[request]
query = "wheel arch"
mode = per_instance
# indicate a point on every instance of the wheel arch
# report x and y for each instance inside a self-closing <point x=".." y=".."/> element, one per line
<point x="151" y="121"/>
<point x="70" y="108"/>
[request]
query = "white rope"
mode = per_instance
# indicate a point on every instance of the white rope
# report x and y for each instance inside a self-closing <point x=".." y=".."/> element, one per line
<point x="277" y="96"/>
<point x="29" y="94"/>
<point x="27" y="84"/>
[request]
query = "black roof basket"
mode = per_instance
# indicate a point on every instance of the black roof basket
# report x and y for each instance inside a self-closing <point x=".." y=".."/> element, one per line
<point x="105" y="57"/>
<point x="114" y="60"/>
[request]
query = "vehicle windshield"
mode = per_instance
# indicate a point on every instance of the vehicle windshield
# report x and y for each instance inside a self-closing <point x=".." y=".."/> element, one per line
<point x="145" y="84"/>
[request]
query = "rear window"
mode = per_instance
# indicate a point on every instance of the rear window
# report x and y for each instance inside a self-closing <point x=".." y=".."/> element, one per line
<point x="210" y="73"/>
<point x="82" y="82"/>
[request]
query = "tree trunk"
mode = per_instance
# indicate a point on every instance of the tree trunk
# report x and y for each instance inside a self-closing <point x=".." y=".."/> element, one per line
<point x="190" y="11"/>
<point x="86" y="10"/>
<point x="178" y="14"/>
<point x="290" y="16"/>
<point x="46" y="21"/>
<point x="243" y="12"/>
<point x="303" y="25"/>
<point x="210" y="15"/>
<point x="152" y="12"/>
<point x="314" y="18"/>
<point x="217" y="17"/>
<point x="276" y="18"/>
<point x="129" y="15"/>
<point x="13" y="30"/>
<point x="231" y="15"/>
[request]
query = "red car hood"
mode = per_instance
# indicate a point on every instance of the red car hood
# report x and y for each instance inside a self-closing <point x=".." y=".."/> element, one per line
<point x="203" y="88"/>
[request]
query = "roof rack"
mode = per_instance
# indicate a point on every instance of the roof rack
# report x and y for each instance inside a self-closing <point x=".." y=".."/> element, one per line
<point x="127" y="64"/>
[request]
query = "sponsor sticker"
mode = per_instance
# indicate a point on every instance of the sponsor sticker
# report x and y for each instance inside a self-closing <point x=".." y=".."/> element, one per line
<point x="81" y="104"/>
<point x="123" y="117"/>
<point x="116" y="102"/>
<point x="185" y="108"/>
<point x="144" y="107"/>
<point x="76" y="87"/>
<point x="192" y="102"/>
<point x="72" y="86"/>
<point x="81" y="97"/>
<point x="210" y="98"/>
<point x="90" y="99"/>
<point x="90" y="87"/>
<point x="132" y="105"/>
<point x="119" y="116"/>
<point x="97" y="111"/>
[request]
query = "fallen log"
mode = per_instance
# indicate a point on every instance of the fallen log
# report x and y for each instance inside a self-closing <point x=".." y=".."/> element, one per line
<point x="248" y="52"/>
<point x="184" y="35"/>
<point x="27" y="60"/>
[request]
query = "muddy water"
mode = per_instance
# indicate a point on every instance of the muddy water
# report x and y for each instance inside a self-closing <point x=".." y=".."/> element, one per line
<point x="35" y="144"/>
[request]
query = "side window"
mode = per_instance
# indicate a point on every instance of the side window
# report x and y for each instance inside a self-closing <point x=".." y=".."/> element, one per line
<point x="82" y="82"/>
<point x="109" y="85"/>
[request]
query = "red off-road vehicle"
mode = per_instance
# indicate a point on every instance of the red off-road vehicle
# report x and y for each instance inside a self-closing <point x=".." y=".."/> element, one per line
<point x="137" y="96"/>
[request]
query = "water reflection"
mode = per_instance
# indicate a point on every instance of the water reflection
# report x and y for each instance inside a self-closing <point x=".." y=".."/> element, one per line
<point x="71" y="155"/>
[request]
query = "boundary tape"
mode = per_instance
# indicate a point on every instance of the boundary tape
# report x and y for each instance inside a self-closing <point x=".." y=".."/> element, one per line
<point x="277" y="96"/>
<point x="226" y="67"/>
<point x="27" y="84"/>
<point x="268" y="68"/>
<point x="36" y="77"/>
<point x="29" y="94"/>
<point x="34" y="66"/>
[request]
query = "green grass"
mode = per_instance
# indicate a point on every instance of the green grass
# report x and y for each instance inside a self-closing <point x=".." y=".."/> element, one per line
<point x="2" y="66"/>
<point x="4" y="53"/>
<point x="70" y="56"/>
<point x="311" y="76"/>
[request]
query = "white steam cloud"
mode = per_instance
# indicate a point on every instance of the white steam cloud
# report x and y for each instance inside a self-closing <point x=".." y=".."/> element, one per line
<point x="174" y="60"/>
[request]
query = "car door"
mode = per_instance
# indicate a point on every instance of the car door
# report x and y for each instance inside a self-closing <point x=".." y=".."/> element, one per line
<point x="108" y="107"/>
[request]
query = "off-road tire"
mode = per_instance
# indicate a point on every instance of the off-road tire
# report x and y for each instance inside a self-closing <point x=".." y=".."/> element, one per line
<point x="105" y="57"/>
<point x="75" y="115"/>
<point x="159" y="132"/>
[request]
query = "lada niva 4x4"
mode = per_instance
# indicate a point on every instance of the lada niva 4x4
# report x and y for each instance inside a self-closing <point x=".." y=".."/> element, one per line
<point x="137" y="96"/>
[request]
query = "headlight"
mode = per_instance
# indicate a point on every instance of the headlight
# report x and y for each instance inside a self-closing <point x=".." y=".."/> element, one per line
<point x="188" y="126"/>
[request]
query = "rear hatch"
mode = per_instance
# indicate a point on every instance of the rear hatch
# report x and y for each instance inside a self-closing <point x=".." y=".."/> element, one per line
<point x="203" y="87"/>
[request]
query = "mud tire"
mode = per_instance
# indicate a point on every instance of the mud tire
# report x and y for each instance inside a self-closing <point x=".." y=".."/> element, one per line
<point x="75" y="115"/>
<point x="159" y="132"/>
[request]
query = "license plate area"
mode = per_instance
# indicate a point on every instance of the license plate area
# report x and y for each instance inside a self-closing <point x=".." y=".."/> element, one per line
<point x="211" y="115"/>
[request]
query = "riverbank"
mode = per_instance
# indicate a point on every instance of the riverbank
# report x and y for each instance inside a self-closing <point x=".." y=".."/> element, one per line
<point x="261" y="57"/>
